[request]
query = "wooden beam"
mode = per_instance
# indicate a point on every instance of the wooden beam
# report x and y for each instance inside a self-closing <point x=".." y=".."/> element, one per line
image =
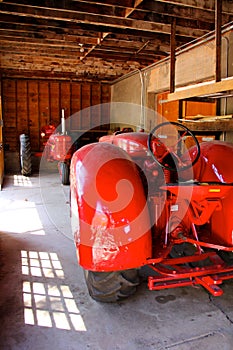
<point x="202" y="89"/>
<point x="142" y="47"/>
<point x="105" y="35"/>
<point x="129" y="11"/>
<point x="203" y="4"/>
<point x="107" y="22"/>
<point x="173" y="55"/>
<point x="179" y="10"/>
<point x="218" y="38"/>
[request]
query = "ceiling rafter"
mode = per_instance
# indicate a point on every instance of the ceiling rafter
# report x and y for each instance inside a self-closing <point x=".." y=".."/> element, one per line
<point x="103" y="36"/>
<point x="94" y="19"/>
<point x="130" y="34"/>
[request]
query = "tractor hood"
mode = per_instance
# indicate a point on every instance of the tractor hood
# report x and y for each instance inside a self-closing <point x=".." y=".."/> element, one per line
<point x="134" y="143"/>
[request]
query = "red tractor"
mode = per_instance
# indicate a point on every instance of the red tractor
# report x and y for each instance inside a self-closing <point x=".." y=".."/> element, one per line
<point x="58" y="147"/>
<point x="160" y="200"/>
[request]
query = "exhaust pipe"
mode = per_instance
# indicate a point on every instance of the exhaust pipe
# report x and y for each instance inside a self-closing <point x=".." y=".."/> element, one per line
<point x="63" y="122"/>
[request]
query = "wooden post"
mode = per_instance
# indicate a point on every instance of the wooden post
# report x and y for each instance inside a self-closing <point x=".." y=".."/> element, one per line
<point x="173" y="57"/>
<point x="181" y="109"/>
<point x="1" y="140"/>
<point x="218" y="37"/>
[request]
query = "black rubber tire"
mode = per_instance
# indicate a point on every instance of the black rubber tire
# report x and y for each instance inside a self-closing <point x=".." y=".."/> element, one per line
<point x="65" y="173"/>
<point x="25" y="155"/>
<point x="110" y="287"/>
<point x="226" y="256"/>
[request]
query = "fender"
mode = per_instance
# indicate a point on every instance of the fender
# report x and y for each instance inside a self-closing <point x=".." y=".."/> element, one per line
<point x="215" y="167"/>
<point x="109" y="212"/>
<point x="214" y="164"/>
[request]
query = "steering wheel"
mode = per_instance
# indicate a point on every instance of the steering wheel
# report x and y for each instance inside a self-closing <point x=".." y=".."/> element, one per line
<point x="167" y="144"/>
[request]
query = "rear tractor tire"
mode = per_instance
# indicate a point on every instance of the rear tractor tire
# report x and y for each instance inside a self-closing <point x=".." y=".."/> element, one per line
<point x="110" y="287"/>
<point x="25" y="155"/>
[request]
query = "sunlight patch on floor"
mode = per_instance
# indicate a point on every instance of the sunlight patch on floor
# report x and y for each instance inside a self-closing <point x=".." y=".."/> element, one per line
<point x="50" y="303"/>
<point x="22" y="181"/>
<point x="20" y="216"/>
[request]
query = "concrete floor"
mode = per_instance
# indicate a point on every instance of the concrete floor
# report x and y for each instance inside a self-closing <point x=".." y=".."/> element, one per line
<point x="44" y="301"/>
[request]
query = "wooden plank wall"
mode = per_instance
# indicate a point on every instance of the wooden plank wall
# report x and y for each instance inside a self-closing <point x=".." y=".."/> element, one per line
<point x="30" y="104"/>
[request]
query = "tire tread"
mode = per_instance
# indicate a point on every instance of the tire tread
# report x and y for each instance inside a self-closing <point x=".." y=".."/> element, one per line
<point x="25" y="155"/>
<point x="111" y="286"/>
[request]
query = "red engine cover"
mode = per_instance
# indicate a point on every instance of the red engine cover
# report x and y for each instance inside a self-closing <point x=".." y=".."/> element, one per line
<point x="60" y="147"/>
<point x="134" y="143"/>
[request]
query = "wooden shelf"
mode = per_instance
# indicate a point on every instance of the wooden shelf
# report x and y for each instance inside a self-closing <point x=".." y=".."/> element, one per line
<point x="203" y="89"/>
<point x="212" y="126"/>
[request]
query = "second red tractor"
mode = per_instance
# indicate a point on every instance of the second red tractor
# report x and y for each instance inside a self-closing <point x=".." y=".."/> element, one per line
<point x="58" y="148"/>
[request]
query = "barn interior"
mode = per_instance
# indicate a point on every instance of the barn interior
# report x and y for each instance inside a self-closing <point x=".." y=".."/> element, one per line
<point x="103" y="66"/>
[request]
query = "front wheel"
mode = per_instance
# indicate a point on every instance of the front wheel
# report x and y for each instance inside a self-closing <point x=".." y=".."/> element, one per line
<point x="113" y="286"/>
<point x="65" y="173"/>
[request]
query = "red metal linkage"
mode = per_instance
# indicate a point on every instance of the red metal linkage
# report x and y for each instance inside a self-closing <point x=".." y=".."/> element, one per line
<point x="173" y="276"/>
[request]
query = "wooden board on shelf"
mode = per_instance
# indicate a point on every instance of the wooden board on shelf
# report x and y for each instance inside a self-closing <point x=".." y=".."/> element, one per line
<point x="203" y="118"/>
<point x="202" y="89"/>
<point x="210" y="126"/>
